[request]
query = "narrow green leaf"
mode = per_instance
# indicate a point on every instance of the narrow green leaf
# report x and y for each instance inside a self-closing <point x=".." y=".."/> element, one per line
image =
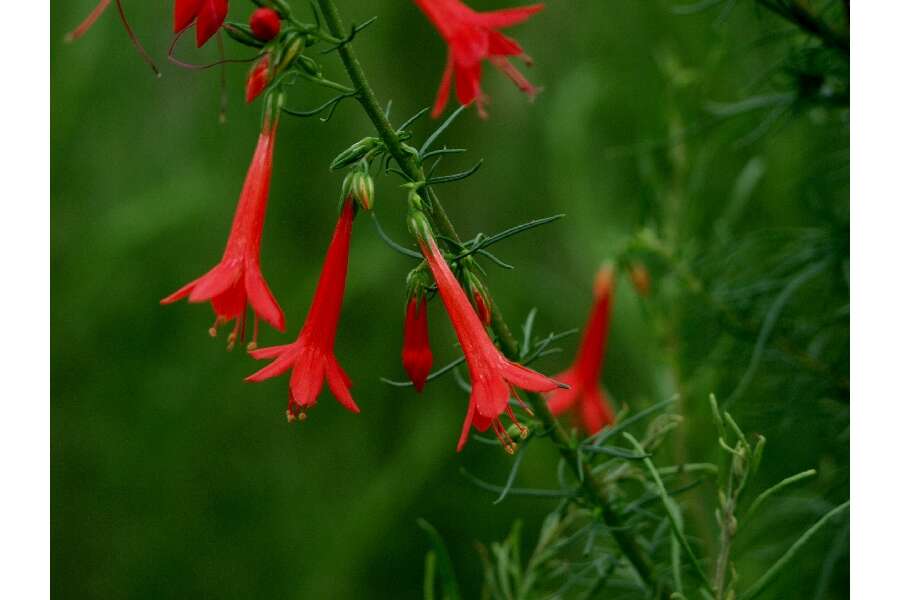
<point x="787" y="481"/>
<point x="775" y="570"/>
<point x="671" y="512"/>
<point x="437" y="132"/>
<point x="445" y="570"/>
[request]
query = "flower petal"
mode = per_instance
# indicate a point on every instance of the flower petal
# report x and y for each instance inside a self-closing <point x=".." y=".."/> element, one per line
<point x="210" y="18"/>
<point x="277" y="367"/>
<point x="271" y="351"/>
<point x="185" y="13"/>
<point x="339" y="384"/>
<point x="507" y="17"/>
<point x="261" y="298"/>
<point x="307" y="377"/>
<point x="180" y="293"/>
<point x="216" y="281"/>
<point x="526" y="379"/>
<point x="467" y="424"/>
<point x="443" y="93"/>
<point x="595" y="411"/>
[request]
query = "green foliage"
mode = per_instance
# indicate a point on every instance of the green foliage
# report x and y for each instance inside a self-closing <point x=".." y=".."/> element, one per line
<point x="707" y="142"/>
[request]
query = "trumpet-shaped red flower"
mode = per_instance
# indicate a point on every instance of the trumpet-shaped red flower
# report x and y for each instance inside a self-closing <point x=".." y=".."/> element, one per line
<point x="312" y="355"/>
<point x="472" y="37"/>
<point x="238" y="279"/>
<point x="492" y="374"/>
<point x="593" y="410"/>
<point x="416" y="354"/>
<point x="208" y="14"/>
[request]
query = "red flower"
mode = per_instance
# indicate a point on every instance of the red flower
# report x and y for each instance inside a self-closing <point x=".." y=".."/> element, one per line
<point x="472" y="37"/>
<point x="237" y="279"/>
<point x="208" y="14"/>
<point x="258" y="78"/>
<point x="312" y="355"/>
<point x="594" y="411"/>
<point x="416" y="354"/>
<point x="265" y="24"/>
<point x="492" y="374"/>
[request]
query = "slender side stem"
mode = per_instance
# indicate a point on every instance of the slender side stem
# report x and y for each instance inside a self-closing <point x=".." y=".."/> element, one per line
<point x="594" y="492"/>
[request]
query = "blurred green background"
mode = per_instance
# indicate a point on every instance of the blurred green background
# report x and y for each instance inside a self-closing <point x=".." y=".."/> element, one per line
<point x="173" y="479"/>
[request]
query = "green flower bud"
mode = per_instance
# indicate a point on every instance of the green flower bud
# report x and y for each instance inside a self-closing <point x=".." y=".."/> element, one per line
<point x="242" y="34"/>
<point x="360" y="186"/>
<point x="354" y="153"/>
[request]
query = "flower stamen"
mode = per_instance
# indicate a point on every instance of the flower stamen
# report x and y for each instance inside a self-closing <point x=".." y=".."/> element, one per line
<point x="214" y="330"/>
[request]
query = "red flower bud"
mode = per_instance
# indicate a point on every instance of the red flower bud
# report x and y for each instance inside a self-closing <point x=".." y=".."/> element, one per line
<point x="481" y="300"/>
<point x="258" y="79"/>
<point x="265" y="24"/>
<point x="416" y="354"/>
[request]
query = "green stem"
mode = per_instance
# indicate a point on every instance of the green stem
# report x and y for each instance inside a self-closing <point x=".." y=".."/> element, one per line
<point x="592" y="490"/>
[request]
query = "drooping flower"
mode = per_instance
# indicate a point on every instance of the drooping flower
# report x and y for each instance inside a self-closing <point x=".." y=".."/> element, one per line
<point x="473" y="37"/>
<point x="311" y="356"/>
<point x="95" y="14"/>
<point x="265" y="24"/>
<point x="258" y="79"/>
<point x="416" y="353"/>
<point x="584" y="391"/>
<point x="237" y="280"/>
<point x="492" y="374"/>
<point x="208" y="14"/>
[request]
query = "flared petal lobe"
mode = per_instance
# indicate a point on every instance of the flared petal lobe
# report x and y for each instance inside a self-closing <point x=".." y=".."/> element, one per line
<point x="209" y="15"/>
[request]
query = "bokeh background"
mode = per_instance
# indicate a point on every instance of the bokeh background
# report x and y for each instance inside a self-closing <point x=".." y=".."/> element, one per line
<point x="173" y="479"/>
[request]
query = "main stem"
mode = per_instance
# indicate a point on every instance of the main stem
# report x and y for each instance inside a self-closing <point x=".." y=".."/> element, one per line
<point x="593" y="491"/>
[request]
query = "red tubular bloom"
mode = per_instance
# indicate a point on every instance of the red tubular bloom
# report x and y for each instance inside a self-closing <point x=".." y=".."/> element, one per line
<point x="472" y="37"/>
<point x="265" y="24"/>
<point x="593" y="409"/>
<point x="208" y="14"/>
<point x="237" y="279"/>
<point x="416" y="354"/>
<point x="492" y="374"/>
<point x="312" y="355"/>
<point x="258" y="79"/>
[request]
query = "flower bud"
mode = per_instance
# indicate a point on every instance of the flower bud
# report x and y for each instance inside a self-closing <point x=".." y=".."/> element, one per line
<point x="309" y="65"/>
<point x="259" y="77"/>
<point x="242" y="34"/>
<point x="417" y="222"/>
<point x="354" y="153"/>
<point x="291" y="49"/>
<point x="265" y="24"/>
<point x="603" y="281"/>
<point x="360" y="186"/>
<point x="416" y="354"/>
<point x="640" y="278"/>
<point x="480" y="297"/>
